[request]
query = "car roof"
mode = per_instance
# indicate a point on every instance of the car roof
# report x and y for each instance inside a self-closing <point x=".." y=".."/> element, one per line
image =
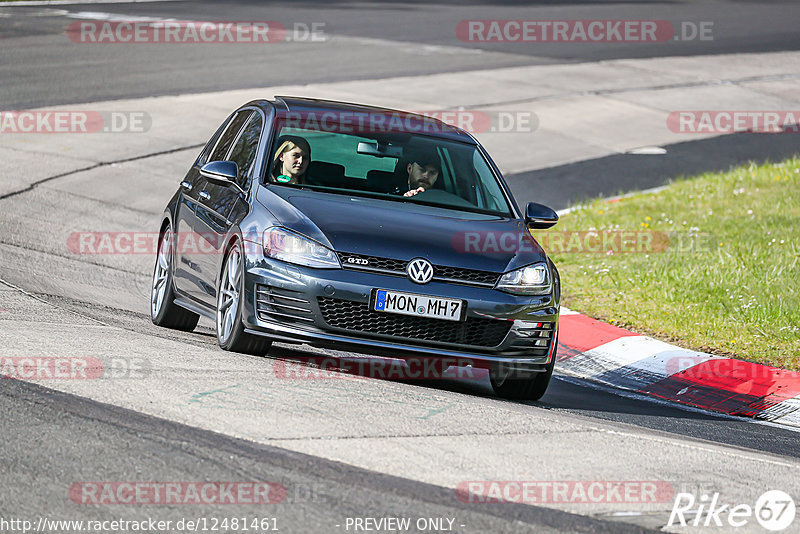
<point x="417" y="123"/>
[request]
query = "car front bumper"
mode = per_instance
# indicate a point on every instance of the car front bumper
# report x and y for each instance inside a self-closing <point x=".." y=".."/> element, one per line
<point x="330" y="308"/>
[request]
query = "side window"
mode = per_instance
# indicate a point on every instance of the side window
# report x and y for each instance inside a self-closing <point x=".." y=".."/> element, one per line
<point x="202" y="159"/>
<point x="490" y="192"/>
<point x="226" y="139"/>
<point x="244" y="151"/>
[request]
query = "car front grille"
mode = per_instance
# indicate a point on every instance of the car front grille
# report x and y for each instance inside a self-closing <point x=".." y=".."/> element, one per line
<point x="357" y="317"/>
<point x="441" y="273"/>
<point x="274" y="303"/>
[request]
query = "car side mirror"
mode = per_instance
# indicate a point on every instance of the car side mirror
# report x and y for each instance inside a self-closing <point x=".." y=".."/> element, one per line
<point x="539" y="216"/>
<point x="221" y="172"/>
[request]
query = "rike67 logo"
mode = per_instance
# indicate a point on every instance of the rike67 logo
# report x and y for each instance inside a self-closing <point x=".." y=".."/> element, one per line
<point x="774" y="510"/>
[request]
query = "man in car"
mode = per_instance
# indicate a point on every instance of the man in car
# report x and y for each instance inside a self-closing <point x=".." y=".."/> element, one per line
<point x="423" y="170"/>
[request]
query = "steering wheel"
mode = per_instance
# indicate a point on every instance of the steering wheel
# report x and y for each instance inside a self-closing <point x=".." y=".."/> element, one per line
<point x="443" y="197"/>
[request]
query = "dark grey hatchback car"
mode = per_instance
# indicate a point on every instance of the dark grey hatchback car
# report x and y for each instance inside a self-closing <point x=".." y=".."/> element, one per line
<point x="360" y="229"/>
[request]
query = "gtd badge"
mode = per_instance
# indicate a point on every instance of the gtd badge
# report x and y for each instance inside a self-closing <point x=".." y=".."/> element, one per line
<point x="357" y="261"/>
<point x="420" y="271"/>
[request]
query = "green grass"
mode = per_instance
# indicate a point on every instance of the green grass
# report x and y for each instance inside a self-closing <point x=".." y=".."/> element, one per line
<point x="728" y="282"/>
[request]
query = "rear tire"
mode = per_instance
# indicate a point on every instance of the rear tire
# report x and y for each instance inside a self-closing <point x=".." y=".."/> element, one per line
<point x="230" y="329"/>
<point x="163" y="310"/>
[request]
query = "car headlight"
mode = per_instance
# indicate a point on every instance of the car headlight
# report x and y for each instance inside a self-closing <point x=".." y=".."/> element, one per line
<point x="530" y="280"/>
<point x="285" y="245"/>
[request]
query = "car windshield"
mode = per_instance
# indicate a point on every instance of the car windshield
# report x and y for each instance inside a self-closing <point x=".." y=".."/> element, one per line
<point x="388" y="166"/>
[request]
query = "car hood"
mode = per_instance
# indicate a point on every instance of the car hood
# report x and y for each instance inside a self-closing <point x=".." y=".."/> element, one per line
<point x="404" y="230"/>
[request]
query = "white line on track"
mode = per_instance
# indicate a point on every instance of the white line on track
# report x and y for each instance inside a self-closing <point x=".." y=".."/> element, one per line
<point x="100" y="15"/>
<point x="406" y="46"/>
<point x="82" y="2"/>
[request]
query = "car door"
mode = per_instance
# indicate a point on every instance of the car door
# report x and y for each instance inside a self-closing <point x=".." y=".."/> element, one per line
<point x="185" y="278"/>
<point x="217" y="203"/>
<point x="193" y="242"/>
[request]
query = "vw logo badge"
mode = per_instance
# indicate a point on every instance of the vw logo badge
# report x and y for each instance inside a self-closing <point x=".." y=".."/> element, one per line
<point x="420" y="271"/>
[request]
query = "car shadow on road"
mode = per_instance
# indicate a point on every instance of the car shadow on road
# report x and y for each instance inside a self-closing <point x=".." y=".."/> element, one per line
<point x="566" y="395"/>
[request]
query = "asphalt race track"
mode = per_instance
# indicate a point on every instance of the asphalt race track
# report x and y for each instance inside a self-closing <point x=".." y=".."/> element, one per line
<point x="180" y="409"/>
<point x="38" y="70"/>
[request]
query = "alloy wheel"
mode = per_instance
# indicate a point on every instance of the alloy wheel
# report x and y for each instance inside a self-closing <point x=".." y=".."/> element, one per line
<point x="228" y="297"/>
<point x="161" y="273"/>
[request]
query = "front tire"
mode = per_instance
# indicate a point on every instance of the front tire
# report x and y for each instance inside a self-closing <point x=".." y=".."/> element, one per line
<point x="163" y="310"/>
<point x="230" y="329"/>
<point x="523" y="388"/>
<point x="532" y="388"/>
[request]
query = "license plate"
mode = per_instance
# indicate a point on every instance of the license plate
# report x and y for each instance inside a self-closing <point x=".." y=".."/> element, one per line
<point x="418" y="305"/>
